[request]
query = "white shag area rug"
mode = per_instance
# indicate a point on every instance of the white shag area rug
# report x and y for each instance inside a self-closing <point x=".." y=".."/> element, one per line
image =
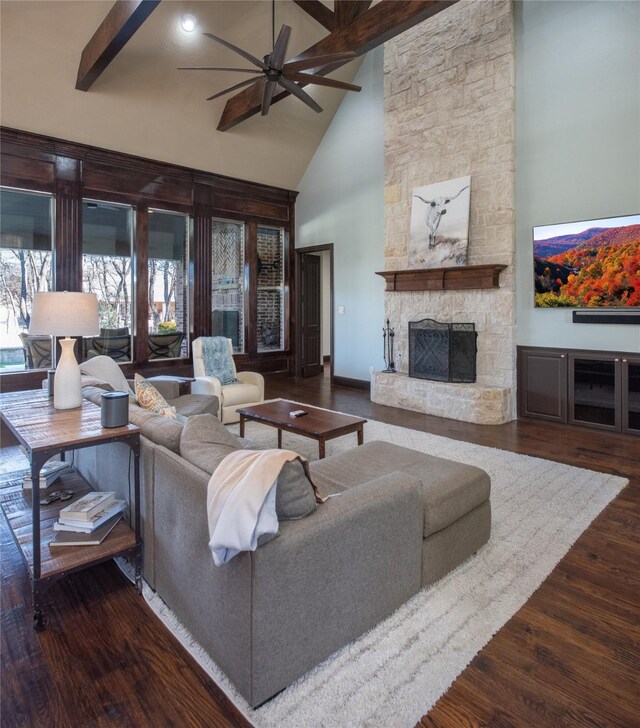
<point x="394" y="674"/>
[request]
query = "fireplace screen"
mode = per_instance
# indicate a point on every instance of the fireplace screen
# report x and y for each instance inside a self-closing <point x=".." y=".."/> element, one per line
<point x="442" y="352"/>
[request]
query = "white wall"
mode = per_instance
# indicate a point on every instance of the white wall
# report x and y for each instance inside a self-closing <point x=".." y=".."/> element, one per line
<point x="577" y="142"/>
<point x="341" y="201"/>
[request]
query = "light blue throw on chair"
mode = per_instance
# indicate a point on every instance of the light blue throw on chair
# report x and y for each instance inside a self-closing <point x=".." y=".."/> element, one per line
<point x="218" y="362"/>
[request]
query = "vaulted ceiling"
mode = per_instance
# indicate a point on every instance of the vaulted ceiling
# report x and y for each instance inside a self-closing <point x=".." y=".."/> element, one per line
<point x="141" y="103"/>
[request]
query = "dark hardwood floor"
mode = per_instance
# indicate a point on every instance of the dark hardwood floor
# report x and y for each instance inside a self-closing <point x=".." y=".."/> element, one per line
<point x="569" y="657"/>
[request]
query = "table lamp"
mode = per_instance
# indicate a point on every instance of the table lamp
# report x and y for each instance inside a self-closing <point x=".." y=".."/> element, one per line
<point x="62" y="313"/>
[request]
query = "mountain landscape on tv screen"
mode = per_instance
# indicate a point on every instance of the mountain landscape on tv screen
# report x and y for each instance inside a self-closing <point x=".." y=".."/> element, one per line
<point x="599" y="266"/>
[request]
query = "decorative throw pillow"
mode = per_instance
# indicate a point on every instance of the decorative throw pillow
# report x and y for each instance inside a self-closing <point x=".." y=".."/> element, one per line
<point x="294" y="493"/>
<point x="205" y="442"/>
<point x="149" y="398"/>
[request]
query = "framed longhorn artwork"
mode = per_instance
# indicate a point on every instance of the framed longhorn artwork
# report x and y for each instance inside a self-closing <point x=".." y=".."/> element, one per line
<point x="440" y="224"/>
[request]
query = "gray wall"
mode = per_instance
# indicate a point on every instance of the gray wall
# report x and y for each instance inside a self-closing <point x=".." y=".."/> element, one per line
<point x="577" y="142"/>
<point x="341" y="201"/>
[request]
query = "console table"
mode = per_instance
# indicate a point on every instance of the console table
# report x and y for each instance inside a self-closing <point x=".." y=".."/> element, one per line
<point x="43" y="432"/>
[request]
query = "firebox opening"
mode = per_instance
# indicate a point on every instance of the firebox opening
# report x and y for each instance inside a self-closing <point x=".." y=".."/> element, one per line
<point x="442" y="352"/>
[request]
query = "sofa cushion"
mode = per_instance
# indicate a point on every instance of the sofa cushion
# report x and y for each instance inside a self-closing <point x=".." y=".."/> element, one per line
<point x="195" y="404"/>
<point x="87" y="381"/>
<point x="449" y="489"/>
<point x="206" y="429"/>
<point x="160" y="430"/>
<point x="106" y="369"/>
<point x="205" y="442"/>
<point x="93" y="393"/>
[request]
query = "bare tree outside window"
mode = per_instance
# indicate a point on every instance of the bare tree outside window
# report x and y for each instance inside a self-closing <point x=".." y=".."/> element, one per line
<point x="107" y="271"/>
<point x="109" y="278"/>
<point x="26" y="261"/>
<point x="168" y="285"/>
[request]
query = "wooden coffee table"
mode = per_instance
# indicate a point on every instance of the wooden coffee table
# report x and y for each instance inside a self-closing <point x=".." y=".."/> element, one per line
<point x="318" y="424"/>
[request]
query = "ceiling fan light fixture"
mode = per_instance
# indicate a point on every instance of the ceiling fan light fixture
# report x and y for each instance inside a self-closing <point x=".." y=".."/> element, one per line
<point x="188" y="23"/>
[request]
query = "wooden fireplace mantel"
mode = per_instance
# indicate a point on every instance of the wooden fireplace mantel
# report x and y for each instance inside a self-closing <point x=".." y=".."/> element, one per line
<point x="443" y="279"/>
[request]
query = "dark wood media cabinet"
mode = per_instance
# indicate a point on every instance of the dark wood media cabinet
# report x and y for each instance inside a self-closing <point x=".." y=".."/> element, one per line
<point x="598" y="389"/>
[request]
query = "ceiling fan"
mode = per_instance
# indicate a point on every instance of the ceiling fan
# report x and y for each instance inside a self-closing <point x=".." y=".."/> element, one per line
<point x="274" y="71"/>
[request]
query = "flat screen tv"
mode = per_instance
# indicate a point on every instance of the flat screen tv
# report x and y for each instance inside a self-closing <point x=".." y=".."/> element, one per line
<point x="588" y="264"/>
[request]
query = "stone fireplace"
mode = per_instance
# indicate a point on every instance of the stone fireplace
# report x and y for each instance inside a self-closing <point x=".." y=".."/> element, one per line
<point x="449" y="112"/>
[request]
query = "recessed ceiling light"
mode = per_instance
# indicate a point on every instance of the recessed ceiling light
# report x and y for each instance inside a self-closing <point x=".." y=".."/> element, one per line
<point x="188" y="23"/>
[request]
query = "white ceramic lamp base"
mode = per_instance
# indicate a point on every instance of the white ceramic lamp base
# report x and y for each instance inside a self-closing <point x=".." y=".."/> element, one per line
<point x="67" y="392"/>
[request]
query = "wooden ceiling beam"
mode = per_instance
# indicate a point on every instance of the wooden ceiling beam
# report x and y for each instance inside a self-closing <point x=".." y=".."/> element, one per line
<point x="318" y="11"/>
<point x="346" y="11"/>
<point x="119" y="25"/>
<point x="372" y="28"/>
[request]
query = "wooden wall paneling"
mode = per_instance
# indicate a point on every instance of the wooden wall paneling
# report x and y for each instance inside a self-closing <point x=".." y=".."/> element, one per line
<point x="201" y="257"/>
<point x="27" y="173"/>
<point x="68" y="224"/>
<point x="225" y="204"/>
<point x="251" y="288"/>
<point x="141" y="263"/>
<point x="74" y="172"/>
<point x="139" y="182"/>
<point x="290" y="290"/>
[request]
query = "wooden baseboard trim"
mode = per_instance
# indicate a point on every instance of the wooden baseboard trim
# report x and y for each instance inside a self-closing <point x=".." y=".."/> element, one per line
<point x="355" y="383"/>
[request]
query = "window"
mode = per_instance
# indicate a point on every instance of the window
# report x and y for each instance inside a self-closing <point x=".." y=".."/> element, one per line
<point x="270" y="289"/>
<point x="26" y="266"/>
<point x="107" y="272"/>
<point x="168" y="285"/>
<point x="227" y="282"/>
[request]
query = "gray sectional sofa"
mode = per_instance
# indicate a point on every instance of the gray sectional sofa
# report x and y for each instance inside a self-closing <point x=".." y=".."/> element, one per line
<point x="400" y="520"/>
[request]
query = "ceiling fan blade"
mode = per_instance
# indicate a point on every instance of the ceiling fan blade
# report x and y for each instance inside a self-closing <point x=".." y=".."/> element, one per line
<point x="244" y="54"/>
<point x="267" y="95"/>
<point x="208" y="68"/>
<point x="280" y="48"/>
<point x="317" y="61"/>
<point x="297" y="91"/>
<point x="321" y="81"/>
<point x="233" y="88"/>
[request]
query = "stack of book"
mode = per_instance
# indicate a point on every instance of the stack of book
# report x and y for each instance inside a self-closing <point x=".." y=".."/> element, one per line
<point x="48" y="474"/>
<point x="88" y="521"/>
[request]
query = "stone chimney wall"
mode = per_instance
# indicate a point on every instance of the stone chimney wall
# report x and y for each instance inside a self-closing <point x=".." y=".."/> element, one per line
<point x="449" y="112"/>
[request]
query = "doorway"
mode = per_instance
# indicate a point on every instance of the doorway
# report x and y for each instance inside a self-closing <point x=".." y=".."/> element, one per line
<point x="314" y="310"/>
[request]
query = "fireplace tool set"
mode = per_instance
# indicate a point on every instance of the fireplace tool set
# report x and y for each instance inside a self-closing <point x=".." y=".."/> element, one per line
<point x="388" y="335"/>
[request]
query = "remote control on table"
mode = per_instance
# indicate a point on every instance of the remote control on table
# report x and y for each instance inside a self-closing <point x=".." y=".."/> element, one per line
<point x="297" y="413"/>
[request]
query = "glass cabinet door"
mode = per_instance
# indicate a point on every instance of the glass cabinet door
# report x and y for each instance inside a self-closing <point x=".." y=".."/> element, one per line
<point x="593" y="391"/>
<point x="270" y="314"/>
<point x="631" y="395"/>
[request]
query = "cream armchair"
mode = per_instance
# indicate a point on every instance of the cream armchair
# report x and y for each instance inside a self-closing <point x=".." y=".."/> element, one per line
<point x="247" y="392"/>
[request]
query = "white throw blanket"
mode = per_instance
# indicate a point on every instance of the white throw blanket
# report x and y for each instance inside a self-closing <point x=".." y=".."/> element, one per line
<point x="241" y="500"/>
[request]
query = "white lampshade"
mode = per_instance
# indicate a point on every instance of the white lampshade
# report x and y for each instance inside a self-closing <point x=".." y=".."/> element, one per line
<point x="64" y="313"/>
